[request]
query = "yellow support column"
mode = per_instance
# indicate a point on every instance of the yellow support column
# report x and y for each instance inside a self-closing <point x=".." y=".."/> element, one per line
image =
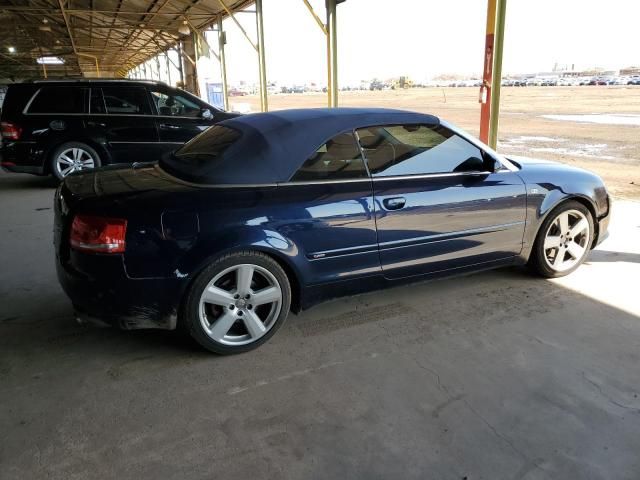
<point x="261" y="58"/>
<point x="222" y="40"/>
<point x="501" y="12"/>
<point x="332" y="52"/>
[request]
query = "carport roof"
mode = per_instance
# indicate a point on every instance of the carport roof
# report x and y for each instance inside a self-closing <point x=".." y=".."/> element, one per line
<point x="120" y="33"/>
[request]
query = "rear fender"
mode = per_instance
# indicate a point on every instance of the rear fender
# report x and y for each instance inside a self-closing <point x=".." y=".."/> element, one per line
<point x="266" y="241"/>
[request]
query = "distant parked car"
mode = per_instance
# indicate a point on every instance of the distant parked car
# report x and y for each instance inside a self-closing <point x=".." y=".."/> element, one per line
<point x="635" y="80"/>
<point x="598" y="81"/>
<point x="60" y="127"/>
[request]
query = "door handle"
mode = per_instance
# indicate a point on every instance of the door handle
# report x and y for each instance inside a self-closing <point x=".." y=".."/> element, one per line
<point x="96" y="124"/>
<point x="168" y="126"/>
<point x="395" y="203"/>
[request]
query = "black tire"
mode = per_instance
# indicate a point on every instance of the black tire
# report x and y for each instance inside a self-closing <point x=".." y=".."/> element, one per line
<point x="537" y="261"/>
<point x="190" y="320"/>
<point x="69" y="145"/>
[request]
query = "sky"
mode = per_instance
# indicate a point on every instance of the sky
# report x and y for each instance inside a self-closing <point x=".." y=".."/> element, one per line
<point x="425" y="38"/>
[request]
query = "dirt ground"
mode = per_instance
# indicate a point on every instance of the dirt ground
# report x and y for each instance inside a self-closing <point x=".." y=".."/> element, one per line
<point x="498" y="375"/>
<point x="612" y="151"/>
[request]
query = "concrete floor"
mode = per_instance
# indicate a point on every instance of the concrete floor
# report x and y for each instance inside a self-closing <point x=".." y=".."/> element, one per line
<point x="498" y="375"/>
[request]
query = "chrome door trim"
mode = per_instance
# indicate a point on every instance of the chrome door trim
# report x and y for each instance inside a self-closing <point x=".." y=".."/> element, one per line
<point x="419" y="176"/>
<point x="440" y="237"/>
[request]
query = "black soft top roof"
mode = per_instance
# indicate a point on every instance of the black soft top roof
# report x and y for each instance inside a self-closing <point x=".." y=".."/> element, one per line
<point x="274" y="145"/>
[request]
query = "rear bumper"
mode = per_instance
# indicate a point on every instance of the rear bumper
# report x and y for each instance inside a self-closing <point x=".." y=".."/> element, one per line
<point x="22" y="157"/>
<point x="100" y="289"/>
<point x="11" y="167"/>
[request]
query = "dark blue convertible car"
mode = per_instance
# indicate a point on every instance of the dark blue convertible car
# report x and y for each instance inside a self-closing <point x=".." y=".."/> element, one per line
<point x="273" y="212"/>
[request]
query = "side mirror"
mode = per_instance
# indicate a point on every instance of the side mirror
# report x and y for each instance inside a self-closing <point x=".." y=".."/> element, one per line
<point x="206" y="114"/>
<point x="471" y="164"/>
<point x="490" y="163"/>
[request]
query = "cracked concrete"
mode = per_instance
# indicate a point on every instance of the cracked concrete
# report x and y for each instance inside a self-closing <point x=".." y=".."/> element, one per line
<point x="499" y="375"/>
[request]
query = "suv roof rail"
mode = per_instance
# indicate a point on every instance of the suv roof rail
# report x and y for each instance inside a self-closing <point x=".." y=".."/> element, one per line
<point x="96" y="80"/>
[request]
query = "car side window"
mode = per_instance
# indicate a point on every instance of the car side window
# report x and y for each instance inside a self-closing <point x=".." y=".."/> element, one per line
<point x="417" y="150"/>
<point x="126" y="100"/>
<point x="175" y="105"/>
<point x="338" y="159"/>
<point x="59" y="100"/>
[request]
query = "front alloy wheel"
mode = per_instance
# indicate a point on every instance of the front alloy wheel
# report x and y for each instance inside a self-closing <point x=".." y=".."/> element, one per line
<point x="563" y="241"/>
<point x="237" y="303"/>
<point x="567" y="240"/>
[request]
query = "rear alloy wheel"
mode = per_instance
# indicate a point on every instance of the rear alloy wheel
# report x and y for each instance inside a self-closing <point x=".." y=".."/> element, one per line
<point x="563" y="241"/>
<point x="238" y="303"/>
<point x="73" y="157"/>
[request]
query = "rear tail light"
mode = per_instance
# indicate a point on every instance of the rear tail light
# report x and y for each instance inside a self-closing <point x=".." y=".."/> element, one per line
<point x="98" y="234"/>
<point x="10" y="130"/>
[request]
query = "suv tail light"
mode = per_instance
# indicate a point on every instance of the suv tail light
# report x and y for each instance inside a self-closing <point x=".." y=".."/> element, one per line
<point x="98" y="234"/>
<point x="10" y="130"/>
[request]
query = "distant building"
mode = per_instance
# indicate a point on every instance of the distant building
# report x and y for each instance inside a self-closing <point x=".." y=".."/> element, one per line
<point x="630" y="71"/>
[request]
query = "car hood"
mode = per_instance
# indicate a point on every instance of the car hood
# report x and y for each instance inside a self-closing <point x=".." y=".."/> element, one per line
<point x="522" y="161"/>
<point x="538" y="170"/>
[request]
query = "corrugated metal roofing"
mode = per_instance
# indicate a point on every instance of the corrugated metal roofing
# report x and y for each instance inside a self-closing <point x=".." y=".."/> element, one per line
<point x="120" y="33"/>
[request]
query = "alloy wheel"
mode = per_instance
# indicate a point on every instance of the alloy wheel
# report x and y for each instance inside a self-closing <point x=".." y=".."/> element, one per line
<point x="240" y="304"/>
<point x="72" y="160"/>
<point x="567" y="240"/>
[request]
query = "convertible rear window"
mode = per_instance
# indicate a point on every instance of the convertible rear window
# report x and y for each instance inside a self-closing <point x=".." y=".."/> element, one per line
<point x="338" y="159"/>
<point x="200" y="154"/>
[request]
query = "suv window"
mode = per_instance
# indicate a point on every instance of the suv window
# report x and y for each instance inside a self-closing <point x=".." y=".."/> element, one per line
<point x="126" y="100"/>
<point x="175" y="105"/>
<point x="338" y="159"/>
<point x="59" y="100"/>
<point x="96" y="103"/>
<point x="417" y="149"/>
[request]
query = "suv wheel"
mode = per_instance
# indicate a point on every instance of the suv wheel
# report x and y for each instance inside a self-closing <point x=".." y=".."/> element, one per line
<point x="73" y="157"/>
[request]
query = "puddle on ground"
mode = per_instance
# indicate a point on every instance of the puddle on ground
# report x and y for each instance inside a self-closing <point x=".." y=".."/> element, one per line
<point x="632" y="119"/>
<point x="560" y="146"/>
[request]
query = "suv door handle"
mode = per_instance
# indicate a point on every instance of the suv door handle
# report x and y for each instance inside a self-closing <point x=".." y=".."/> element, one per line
<point x="96" y="124"/>
<point x="395" y="203"/>
<point x="168" y="126"/>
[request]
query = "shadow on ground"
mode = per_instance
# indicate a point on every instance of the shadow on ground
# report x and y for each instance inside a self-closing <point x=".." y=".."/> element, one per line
<point x="494" y="375"/>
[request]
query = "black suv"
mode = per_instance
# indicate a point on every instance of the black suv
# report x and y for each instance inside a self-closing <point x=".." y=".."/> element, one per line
<point x="60" y="127"/>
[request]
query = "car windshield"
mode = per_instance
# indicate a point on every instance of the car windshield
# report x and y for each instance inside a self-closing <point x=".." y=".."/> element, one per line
<point x="199" y="154"/>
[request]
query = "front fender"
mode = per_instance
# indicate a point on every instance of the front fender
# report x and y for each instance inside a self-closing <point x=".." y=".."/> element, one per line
<point x="548" y="185"/>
